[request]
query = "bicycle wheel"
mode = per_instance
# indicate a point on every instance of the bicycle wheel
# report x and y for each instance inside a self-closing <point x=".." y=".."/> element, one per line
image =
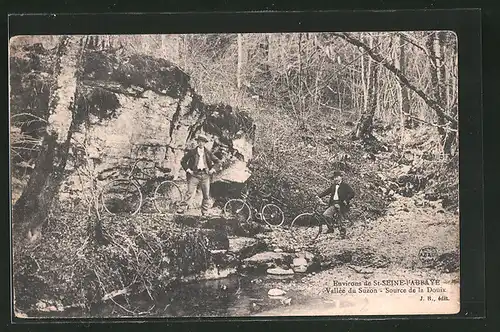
<point x="121" y="196"/>
<point x="305" y="228"/>
<point x="272" y="215"/>
<point x="238" y="209"/>
<point x="167" y="197"/>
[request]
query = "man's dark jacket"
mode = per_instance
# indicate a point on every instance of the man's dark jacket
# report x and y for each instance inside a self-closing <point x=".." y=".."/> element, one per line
<point x="191" y="158"/>
<point x="345" y="193"/>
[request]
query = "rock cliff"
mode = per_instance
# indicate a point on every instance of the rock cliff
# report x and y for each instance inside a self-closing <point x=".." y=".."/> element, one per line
<point x="136" y="106"/>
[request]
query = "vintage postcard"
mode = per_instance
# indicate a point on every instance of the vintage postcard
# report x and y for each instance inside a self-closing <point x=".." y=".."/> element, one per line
<point x="229" y="175"/>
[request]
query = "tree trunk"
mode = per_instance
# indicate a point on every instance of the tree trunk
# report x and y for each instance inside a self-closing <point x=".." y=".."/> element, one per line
<point x="450" y="139"/>
<point x="299" y="58"/>
<point x="405" y="100"/>
<point x="240" y="60"/>
<point x="435" y="44"/>
<point x="31" y="210"/>
<point x="266" y="58"/>
<point x="364" y="84"/>
<point x="404" y="104"/>
<point x="364" y="126"/>
<point x="177" y="49"/>
<point x="185" y="53"/>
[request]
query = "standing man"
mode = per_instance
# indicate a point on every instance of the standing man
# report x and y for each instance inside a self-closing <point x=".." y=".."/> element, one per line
<point x="199" y="164"/>
<point x="340" y="196"/>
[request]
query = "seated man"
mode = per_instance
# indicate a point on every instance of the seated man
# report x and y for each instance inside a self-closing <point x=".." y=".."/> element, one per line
<point x="340" y="196"/>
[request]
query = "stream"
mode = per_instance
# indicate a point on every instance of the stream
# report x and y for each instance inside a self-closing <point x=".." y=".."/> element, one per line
<point x="238" y="295"/>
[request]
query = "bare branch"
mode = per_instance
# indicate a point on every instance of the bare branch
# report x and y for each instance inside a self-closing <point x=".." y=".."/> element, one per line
<point x="409" y="39"/>
<point x="380" y="59"/>
<point x="429" y="123"/>
<point x="31" y="115"/>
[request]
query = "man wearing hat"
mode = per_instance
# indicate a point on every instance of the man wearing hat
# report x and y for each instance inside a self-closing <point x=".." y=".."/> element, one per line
<point x="199" y="164"/>
<point x="340" y="196"/>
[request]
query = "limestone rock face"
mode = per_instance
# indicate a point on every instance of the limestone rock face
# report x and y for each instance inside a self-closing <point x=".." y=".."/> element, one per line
<point x="136" y="106"/>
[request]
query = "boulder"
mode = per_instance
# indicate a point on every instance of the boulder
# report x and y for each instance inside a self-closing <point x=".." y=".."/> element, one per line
<point x="244" y="246"/>
<point x="280" y="271"/>
<point x="299" y="265"/>
<point x="304" y="262"/>
<point x="276" y="292"/>
<point x="268" y="259"/>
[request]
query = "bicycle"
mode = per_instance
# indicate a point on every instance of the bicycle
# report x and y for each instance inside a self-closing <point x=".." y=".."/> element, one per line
<point x="126" y="194"/>
<point x="268" y="212"/>
<point x="306" y="227"/>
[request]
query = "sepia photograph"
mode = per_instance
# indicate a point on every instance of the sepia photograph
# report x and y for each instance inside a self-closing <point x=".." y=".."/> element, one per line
<point x="234" y="174"/>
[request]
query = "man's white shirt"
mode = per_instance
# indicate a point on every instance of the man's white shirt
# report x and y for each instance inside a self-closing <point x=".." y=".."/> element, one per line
<point x="201" y="160"/>
<point x="336" y="196"/>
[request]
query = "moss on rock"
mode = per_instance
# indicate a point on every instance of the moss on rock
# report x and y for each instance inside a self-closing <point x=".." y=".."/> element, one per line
<point x="158" y="75"/>
<point x="95" y="101"/>
<point x="228" y="123"/>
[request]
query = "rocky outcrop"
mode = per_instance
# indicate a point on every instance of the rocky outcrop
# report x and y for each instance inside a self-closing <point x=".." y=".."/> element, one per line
<point x="278" y="271"/>
<point x="134" y="106"/>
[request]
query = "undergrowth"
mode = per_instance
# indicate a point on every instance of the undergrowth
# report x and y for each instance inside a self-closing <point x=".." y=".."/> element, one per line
<point x="80" y="261"/>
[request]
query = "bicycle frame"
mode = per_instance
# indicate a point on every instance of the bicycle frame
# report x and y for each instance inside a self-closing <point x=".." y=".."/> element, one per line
<point x="325" y="221"/>
<point x="132" y="170"/>
<point x="322" y="220"/>
<point x="264" y="199"/>
<point x="131" y="177"/>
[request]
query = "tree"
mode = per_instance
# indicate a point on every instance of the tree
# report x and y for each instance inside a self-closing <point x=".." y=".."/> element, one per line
<point x="31" y="210"/>
<point x="240" y="60"/>
<point x="364" y="126"/>
<point x="404" y="102"/>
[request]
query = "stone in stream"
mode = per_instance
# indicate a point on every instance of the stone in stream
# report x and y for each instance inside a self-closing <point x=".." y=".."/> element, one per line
<point x="244" y="246"/>
<point x="265" y="260"/>
<point x="303" y="262"/>
<point x="276" y="292"/>
<point x="299" y="265"/>
<point x="279" y="271"/>
<point x="214" y="273"/>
